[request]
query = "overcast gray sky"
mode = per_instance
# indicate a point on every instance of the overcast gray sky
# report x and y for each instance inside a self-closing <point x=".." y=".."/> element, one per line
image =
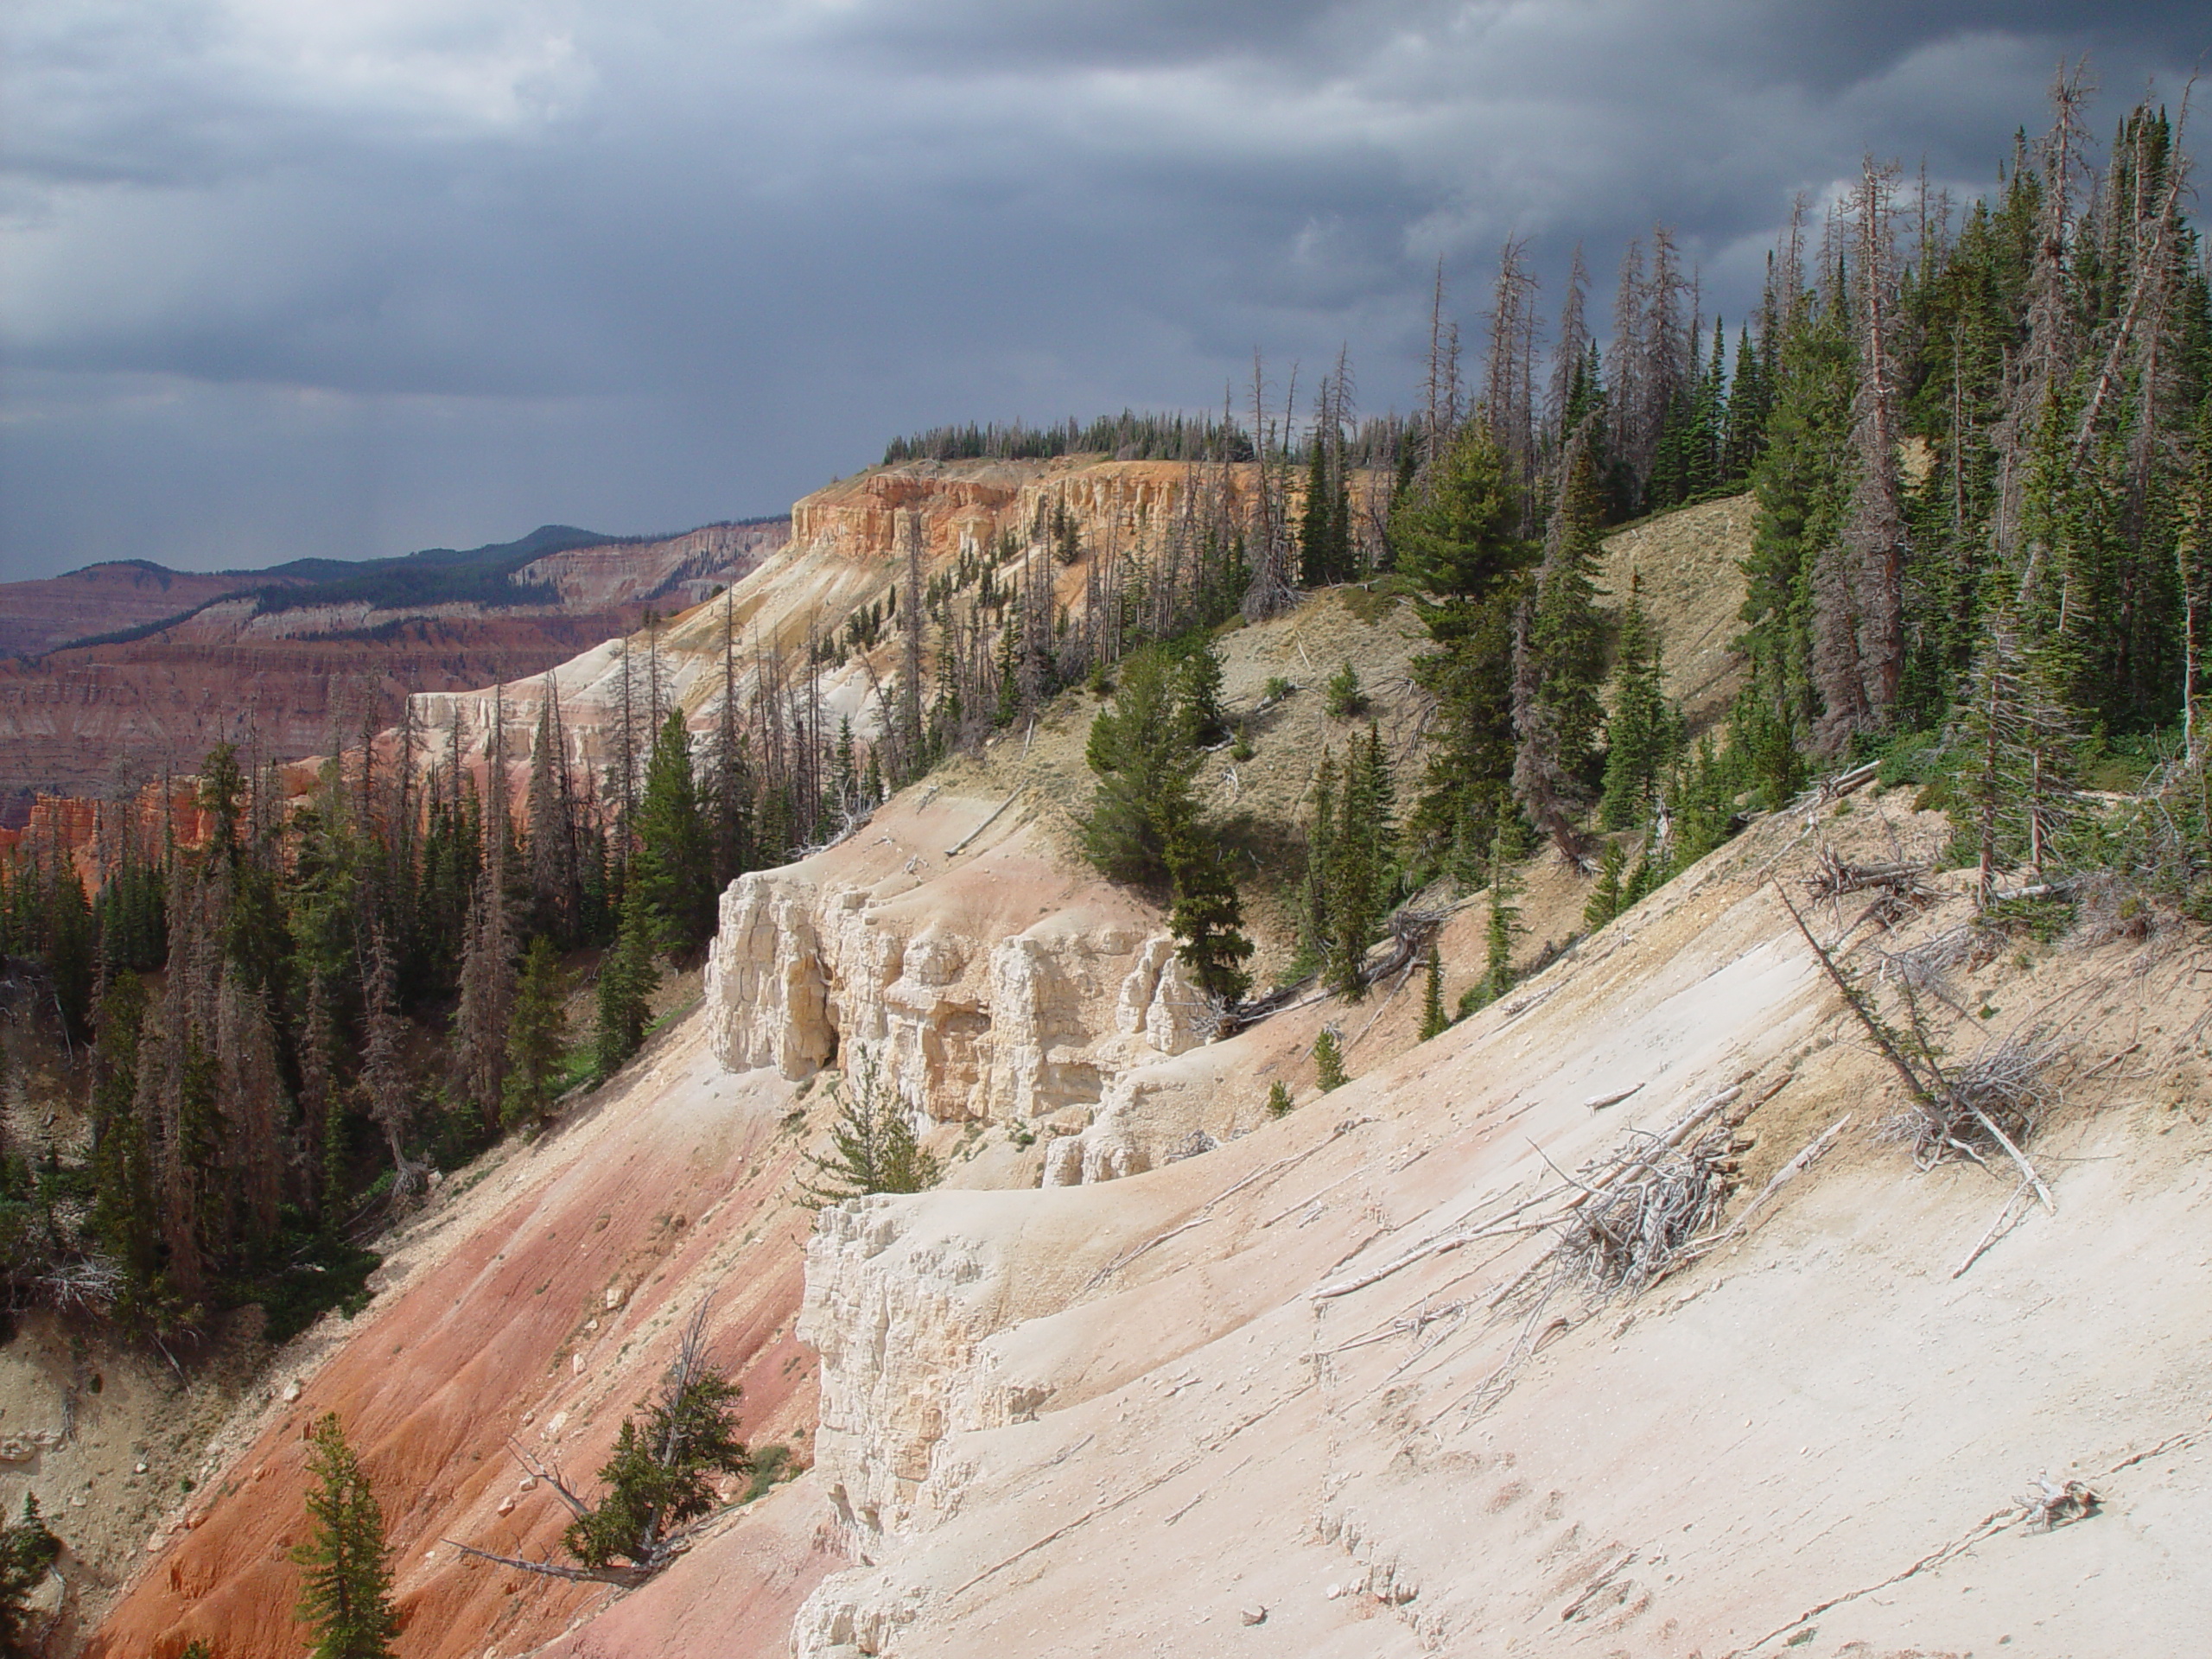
<point x="350" y="277"/>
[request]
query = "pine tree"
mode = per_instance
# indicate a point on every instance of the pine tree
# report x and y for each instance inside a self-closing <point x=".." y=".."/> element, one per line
<point x="319" y="1103"/>
<point x="1320" y="859"/>
<point x="1142" y="751"/>
<point x="28" y="1550"/>
<point x="628" y="977"/>
<point x="1558" y="661"/>
<point x="872" y="1147"/>
<point x="125" y="1218"/>
<point x="1358" y="877"/>
<point x="1208" y="918"/>
<point x="673" y="869"/>
<point x="730" y="785"/>
<point x="1803" y="487"/>
<point x="1433" y="1020"/>
<point x="1328" y="1061"/>
<point x="2014" y="754"/>
<point x="660" y="1476"/>
<point x="1279" y="1100"/>
<point x="555" y="878"/>
<point x="1456" y="536"/>
<point x="346" y="1596"/>
<point x="1504" y="919"/>
<point x="1343" y="694"/>
<point x="1748" y="397"/>
<point x="1640" y="735"/>
<point x="537" y="1037"/>
<point x="1198" y="695"/>
<point x="1606" y="898"/>
<point x="251" y="1106"/>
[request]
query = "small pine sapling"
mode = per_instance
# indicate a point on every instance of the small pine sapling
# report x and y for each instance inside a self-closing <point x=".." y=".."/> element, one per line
<point x="1605" y="901"/>
<point x="1504" y="917"/>
<point x="873" y="1148"/>
<point x="1433" y="1020"/>
<point x="1279" y="1100"/>
<point x="346" y="1596"/>
<point x="1345" y="696"/>
<point x="1328" y="1061"/>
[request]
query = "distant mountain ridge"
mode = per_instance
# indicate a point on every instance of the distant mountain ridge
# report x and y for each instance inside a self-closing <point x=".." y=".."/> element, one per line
<point x="121" y="671"/>
<point x="80" y="605"/>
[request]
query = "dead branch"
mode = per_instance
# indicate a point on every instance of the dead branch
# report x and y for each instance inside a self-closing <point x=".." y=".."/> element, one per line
<point x="1855" y="1000"/>
<point x="538" y="1469"/>
<point x="1781" y="1177"/>
<point x="1995" y="1227"/>
<point x="2057" y="1505"/>
<point x="1437" y="1246"/>
<point x="1938" y="1103"/>
<point x="628" y="1576"/>
<point x="1626" y="1239"/>
<point x="1904" y="881"/>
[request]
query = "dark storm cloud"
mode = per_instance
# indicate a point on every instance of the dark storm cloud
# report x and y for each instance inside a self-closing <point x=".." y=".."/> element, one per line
<point x="370" y="274"/>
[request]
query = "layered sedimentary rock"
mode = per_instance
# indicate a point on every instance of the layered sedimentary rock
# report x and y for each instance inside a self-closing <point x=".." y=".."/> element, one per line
<point x="107" y="598"/>
<point x="848" y="548"/>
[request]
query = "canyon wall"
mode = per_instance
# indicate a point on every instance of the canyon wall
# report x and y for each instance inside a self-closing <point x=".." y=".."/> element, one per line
<point x="108" y="598"/>
<point x="848" y="548"/>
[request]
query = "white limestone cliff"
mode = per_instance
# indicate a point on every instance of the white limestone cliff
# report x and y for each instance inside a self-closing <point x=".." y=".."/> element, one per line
<point x="1044" y="1027"/>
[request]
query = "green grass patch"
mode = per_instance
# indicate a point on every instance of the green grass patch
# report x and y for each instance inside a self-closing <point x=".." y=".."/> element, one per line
<point x="2044" y="920"/>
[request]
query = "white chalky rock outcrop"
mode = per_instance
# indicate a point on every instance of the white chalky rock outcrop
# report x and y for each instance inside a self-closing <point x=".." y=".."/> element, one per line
<point x="896" y="1318"/>
<point x="1045" y="1024"/>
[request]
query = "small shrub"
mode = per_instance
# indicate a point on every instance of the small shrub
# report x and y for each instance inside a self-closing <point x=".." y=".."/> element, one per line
<point x="27" y="1552"/>
<point x="1279" y="1100"/>
<point x="1371" y="605"/>
<point x="1276" y="690"/>
<point x="1346" y="697"/>
<point x="771" y="1465"/>
<point x="2044" y="920"/>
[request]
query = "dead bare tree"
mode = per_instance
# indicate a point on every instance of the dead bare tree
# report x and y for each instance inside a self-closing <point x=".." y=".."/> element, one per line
<point x="1508" y="371"/>
<point x="1871" y="646"/>
<point x="1945" y="1111"/>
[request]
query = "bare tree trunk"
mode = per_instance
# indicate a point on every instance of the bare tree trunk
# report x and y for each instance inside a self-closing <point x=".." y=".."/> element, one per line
<point x="1874" y="532"/>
